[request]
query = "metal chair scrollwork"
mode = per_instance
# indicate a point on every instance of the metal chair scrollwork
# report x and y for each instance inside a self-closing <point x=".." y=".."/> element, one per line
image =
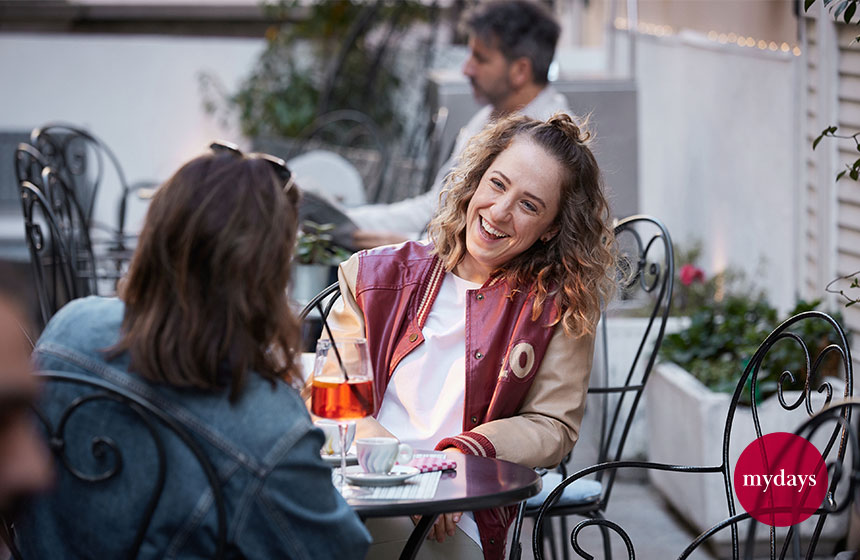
<point x="86" y="164"/>
<point x="814" y="366"/>
<point x="645" y="276"/>
<point x="89" y="432"/>
<point x="55" y="248"/>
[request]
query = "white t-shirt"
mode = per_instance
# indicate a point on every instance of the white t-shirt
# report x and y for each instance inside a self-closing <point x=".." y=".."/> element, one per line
<point x="425" y="398"/>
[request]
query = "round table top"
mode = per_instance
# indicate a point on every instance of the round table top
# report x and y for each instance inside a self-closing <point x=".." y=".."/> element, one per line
<point x="477" y="483"/>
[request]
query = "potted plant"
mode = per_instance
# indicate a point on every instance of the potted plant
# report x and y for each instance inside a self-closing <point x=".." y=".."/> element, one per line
<point x="694" y="383"/>
<point x="316" y="258"/>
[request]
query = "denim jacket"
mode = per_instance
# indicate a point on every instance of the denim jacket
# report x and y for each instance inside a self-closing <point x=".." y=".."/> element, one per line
<point x="280" y="501"/>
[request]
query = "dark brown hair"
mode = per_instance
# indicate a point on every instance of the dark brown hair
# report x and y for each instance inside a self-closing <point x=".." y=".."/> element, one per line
<point x="574" y="268"/>
<point x="205" y="297"/>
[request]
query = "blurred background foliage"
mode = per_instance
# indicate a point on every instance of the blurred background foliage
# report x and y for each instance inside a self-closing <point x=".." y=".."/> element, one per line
<point x="327" y="55"/>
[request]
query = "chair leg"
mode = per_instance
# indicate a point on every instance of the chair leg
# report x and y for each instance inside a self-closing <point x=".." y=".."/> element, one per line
<point x="604" y="532"/>
<point x="549" y="536"/>
<point x="565" y="554"/>
<point x="516" y="547"/>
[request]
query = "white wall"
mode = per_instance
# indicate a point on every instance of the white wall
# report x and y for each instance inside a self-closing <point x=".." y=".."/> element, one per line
<point x="139" y="94"/>
<point x="718" y="146"/>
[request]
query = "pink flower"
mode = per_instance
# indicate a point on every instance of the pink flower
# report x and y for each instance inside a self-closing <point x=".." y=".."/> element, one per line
<point x="690" y="274"/>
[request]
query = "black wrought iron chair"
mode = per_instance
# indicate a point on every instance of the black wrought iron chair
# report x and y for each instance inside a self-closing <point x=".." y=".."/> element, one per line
<point x="354" y="136"/>
<point x="59" y="247"/>
<point x="417" y="161"/>
<point x="813" y="364"/>
<point x="29" y="163"/>
<point x="88" y="165"/>
<point x="89" y="455"/>
<point x="645" y="276"/>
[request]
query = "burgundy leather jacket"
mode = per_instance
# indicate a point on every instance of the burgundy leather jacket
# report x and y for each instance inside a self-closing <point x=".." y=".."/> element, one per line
<point x="525" y="379"/>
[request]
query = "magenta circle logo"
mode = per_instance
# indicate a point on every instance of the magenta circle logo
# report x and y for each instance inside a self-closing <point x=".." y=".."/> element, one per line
<point x="780" y="479"/>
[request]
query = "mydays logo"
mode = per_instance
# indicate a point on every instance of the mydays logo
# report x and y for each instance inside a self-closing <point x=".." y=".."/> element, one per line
<point x="780" y="479"/>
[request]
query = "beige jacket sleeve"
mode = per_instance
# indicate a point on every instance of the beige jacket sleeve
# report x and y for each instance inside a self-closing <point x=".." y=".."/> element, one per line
<point x="547" y="425"/>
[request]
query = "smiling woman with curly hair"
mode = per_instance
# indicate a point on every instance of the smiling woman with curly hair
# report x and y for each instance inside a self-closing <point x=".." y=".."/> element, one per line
<point x="482" y="339"/>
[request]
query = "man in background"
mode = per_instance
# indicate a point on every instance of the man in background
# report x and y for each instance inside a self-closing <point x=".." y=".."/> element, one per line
<point x="511" y="43"/>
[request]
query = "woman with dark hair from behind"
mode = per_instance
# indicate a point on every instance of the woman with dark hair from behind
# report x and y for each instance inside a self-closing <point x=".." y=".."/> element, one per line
<point x="203" y="329"/>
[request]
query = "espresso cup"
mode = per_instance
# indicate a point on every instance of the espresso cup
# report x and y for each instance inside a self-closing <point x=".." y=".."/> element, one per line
<point x="332" y="435"/>
<point x="378" y="454"/>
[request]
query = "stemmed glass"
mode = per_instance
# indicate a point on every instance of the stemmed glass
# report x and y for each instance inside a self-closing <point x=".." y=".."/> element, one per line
<point x="342" y="386"/>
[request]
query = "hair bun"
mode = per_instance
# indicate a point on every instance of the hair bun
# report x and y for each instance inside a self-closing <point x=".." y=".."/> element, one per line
<point x="566" y="124"/>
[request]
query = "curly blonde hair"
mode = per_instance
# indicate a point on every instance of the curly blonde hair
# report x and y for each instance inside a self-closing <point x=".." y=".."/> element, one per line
<point x="574" y="268"/>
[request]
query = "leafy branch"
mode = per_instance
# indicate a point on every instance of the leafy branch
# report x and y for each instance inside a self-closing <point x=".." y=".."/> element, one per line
<point x="844" y="8"/>
<point x="855" y="283"/>
<point x="852" y="170"/>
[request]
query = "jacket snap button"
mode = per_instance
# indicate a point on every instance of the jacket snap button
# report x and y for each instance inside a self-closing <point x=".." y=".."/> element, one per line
<point x="413" y="337"/>
<point x="479" y="297"/>
<point x="478" y="355"/>
<point x="492" y="541"/>
<point x="474" y="419"/>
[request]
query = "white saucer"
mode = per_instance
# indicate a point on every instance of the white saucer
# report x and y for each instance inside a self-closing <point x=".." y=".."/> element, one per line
<point x="334" y="459"/>
<point x="399" y="473"/>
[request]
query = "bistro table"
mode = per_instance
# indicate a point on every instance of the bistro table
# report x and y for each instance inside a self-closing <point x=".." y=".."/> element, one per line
<point x="477" y="483"/>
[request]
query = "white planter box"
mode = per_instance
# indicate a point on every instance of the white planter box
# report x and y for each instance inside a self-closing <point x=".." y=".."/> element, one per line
<point x="685" y="424"/>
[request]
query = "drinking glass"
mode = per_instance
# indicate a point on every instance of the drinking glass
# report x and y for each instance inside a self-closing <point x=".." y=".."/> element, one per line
<point x="342" y="386"/>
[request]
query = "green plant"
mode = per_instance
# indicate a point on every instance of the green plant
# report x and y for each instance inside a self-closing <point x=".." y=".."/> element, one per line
<point x="844" y="8"/>
<point x="723" y="336"/>
<point x="316" y="245"/>
<point x="325" y="57"/>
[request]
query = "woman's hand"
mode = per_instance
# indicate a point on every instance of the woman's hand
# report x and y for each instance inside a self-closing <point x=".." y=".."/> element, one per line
<point x="445" y="526"/>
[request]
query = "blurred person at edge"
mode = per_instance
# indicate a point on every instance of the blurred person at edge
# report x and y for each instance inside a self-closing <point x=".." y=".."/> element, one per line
<point x="511" y="43"/>
<point x="482" y="337"/>
<point x="25" y="464"/>
<point x="202" y="326"/>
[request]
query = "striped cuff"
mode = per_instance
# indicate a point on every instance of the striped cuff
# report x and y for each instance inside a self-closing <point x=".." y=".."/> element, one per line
<point x="470" y="443"/>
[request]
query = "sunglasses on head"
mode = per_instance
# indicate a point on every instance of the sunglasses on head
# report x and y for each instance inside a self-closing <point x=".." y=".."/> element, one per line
<point x="278" y="165"/>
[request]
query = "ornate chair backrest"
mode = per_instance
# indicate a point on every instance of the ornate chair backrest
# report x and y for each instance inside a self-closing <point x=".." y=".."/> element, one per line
<point x="52" y="260"/>
<point x="84" y="162"/>
<point x="72" y="224"/>
<point x="415" y="162"/>
<point x="92" y="425"/>
<point x="646" y="272"/>
<point x="29" y="163"/>
<point x="809" y="359"/>
<point x="834" y="423"/>
<point x="799" y="355"/>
